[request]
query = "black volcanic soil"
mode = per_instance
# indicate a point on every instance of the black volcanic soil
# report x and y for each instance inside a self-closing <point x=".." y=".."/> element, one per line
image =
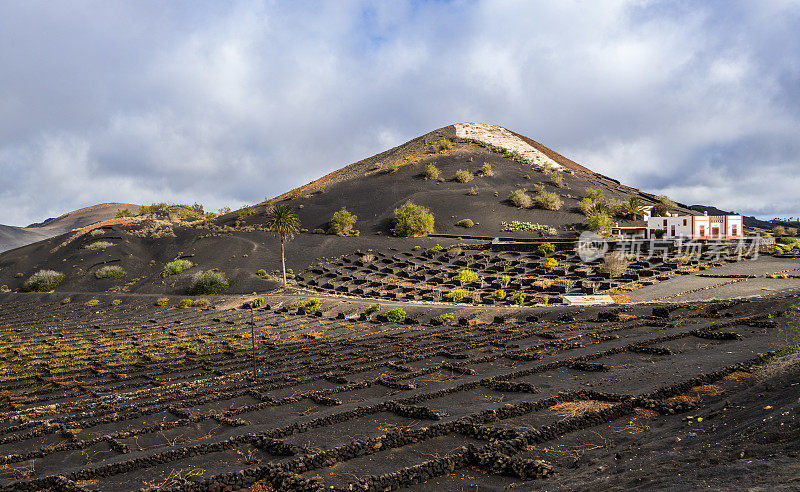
<point x="123" y="397"/>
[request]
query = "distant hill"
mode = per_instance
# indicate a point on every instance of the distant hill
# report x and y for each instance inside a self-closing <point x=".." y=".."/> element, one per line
<point x="13" y="237"/>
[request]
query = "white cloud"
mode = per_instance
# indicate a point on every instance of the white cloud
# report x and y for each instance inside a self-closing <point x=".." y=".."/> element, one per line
<point x="224" y="104"/>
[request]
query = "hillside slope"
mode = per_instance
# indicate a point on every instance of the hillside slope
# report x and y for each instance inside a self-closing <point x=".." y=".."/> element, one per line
<point x="13" y="237"/>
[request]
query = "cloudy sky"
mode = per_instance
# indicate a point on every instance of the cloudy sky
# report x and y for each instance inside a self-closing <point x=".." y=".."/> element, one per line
<point x="224" y="103"/>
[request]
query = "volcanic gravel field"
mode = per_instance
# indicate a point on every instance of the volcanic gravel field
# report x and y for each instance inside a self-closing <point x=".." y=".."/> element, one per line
<point x="138" y="396"/>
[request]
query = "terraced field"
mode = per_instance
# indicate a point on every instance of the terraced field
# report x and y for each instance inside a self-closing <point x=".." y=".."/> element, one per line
<point x="433" y="275"/>
<point x="136" y="396"/>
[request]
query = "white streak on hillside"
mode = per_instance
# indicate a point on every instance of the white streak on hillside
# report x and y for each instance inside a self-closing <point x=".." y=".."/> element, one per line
<point x="500" y="137"/>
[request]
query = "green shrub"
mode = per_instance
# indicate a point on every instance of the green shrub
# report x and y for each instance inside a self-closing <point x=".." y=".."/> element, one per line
<point x="463" y="176"/>
<point x="454" y="251"/>
<point x="92" y="303"/>
<point x="504" y="280"/>
<point x="546" y="300"/>
<point x="43" y="281"/>
<point x="395" y="315"/>
<point x="520" y="198"/>
<point x="548" y="200"/>
<point x="121" y="214"/>
<point x="393" y="167"/>
<point x="662" y="208"/>
<point x="162" y="301"/>
<point x="432" y="172"/>
<point x="517" y="225"/>
<point x="445" y="318"/>
<point x="342" y="222"/>
<point x="486" y="169"/>
<point x="201" y="303"/>
<point x="66" y="300"/>
<point x="257" y="302"/>
<point x="209" y="282"/>
<point x="617" y="208"/>
<point x="116" y="302"/>
<point x="97" y="232"/>
<point x="313" y="305"/>
<point x="99" y="245"/>
<point x="546" y="248"/>
<point x="473" y="191"/>
<point x="176" y="267"/>
<point x="375" y="308"/>
<point x="457" y="295"/>
<point x="658" y="233"/>
<point x="519" y="298"/>
<point x="550" y="264"/>
<point x="615" y="264"/>
<point x="441" y="146"/>
<point x="412" y="220"/>
<point x="467" y="276"/>
<point x="185" y="303"/>
<point x="588" y="206"/>
<point x="468" y="223"/>
<point x="262" y="273"/>
<point x="110" y="271"/>
<point x="295" y="194"/>
<point x="557" y="179"/>
<point x="499" y="295"/>
<point x="436" y="249"/>
<point x="600" y="223"/>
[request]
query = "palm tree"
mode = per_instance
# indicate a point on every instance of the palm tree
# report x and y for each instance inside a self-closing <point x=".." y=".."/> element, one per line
<point x="283" y="222"/>
<point x="635" y="207"/>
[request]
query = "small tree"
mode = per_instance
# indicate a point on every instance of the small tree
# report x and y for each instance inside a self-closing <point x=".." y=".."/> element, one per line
<point x="342" y="222"/>
<point x="778" y="231"/>
<point x="412" y="220"/>
<point x="284" y="224"/>
<point x="550" y="264"/>
<point x="600" y="222"/>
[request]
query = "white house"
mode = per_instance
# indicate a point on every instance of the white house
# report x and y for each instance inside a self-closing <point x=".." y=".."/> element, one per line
<point x="697" y="226"/>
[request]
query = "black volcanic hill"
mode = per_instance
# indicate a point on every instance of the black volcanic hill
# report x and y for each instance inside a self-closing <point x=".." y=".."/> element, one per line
<point x="372" y="190"/>
<point x="237" y="244"/>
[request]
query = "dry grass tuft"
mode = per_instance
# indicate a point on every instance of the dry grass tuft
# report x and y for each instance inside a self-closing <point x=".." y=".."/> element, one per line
<point x="682" y="398"/>
<point x="579" y="407"/>
<point x="707" y="390"/>
<point x="645" y="413"/>
<point x="736" y="375"/>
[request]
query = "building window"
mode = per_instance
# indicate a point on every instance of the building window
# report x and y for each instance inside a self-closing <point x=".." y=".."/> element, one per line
<point x="665" y="222"/>
<point x="672" y="231"/>
<point x="735" y="230"/>
<point x="702" y="231"/>
<point x="684" y="222"/>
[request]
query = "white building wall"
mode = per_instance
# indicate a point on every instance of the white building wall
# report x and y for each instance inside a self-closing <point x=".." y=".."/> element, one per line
<point x="697" y="227"/>
<point x="672" y="226"/>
